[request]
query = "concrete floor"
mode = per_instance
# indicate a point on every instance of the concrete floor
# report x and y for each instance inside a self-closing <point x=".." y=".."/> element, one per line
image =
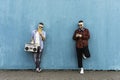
<point x="58" y="75"/>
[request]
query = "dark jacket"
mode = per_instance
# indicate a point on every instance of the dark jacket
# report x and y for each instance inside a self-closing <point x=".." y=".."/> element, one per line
<point x="83" y="41"/>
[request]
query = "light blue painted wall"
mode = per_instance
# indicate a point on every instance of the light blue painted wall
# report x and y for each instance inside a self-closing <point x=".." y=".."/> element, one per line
<point x="19" y="17"/>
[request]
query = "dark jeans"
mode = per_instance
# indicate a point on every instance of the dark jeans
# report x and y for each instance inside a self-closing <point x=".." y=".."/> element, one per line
<point x="80" y="52"/>
<point x="37" y="58"/>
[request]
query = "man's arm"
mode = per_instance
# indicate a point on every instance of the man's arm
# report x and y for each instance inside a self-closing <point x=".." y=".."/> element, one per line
<point x="75" y="36"/>
<point x="43" y="36"/>
<point x="32" y="37"/>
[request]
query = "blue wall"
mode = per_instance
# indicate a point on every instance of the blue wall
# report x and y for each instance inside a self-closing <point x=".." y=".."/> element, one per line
<point x="19" y="17"/>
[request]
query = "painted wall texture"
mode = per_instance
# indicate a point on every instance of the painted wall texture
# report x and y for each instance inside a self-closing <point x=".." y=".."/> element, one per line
<point x="19" y="17"/>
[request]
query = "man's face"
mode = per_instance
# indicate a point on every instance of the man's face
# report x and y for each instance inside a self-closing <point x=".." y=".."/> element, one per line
<point x="80" y="25"/>
<point x="40" y="26"/>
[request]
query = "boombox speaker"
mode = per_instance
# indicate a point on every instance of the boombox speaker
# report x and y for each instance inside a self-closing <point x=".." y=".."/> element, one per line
<point x="29" y="47"/>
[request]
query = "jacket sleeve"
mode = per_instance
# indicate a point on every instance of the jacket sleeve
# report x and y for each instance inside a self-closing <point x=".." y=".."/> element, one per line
<point x="87" y="35"/>
<point x="32" y="34"/>
<point x="74" y="36"/>
<point x="44" y="35"/>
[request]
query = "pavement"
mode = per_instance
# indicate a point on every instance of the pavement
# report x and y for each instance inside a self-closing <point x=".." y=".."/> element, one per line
<point x="58" y="75"/>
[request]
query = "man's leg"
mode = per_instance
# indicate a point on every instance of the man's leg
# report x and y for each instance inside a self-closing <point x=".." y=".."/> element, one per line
<point x="35" y="54"/>
<point x="79" y="57"/>
<point x="86" y="52"/>
<point x="37" y="59"/>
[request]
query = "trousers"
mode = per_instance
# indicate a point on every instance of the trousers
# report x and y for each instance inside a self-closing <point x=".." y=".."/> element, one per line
<point x="37" y="58"/>
<point x="80" y="52"/>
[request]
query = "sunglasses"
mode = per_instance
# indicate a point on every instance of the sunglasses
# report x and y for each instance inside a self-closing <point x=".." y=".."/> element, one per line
<point x="40" y="26"/>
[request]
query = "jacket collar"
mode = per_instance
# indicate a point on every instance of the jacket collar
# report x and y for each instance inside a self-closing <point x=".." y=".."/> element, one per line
<point x="81" y="29"/>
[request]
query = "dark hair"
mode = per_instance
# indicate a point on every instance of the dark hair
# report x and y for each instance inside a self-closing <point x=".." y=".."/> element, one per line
<point x="80" y="21"/>
<point x="41" y="23"/>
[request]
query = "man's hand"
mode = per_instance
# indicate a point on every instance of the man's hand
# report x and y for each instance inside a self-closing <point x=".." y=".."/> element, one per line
<point x="43" y="38"/>
<point x="78" y="35"/>
<point x="32" y="41"/>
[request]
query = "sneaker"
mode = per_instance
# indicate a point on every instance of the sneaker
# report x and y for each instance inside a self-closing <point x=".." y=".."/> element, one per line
<point x="82" y="71"/>
<point x="38" y="70"/>
<point x="84" y="57"/>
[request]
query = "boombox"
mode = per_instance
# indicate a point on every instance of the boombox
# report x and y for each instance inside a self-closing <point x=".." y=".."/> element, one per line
<point x="29" y="47"/>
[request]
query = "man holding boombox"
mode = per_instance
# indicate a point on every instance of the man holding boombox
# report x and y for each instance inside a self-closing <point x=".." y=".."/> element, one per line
<point x="38" y="36"/>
